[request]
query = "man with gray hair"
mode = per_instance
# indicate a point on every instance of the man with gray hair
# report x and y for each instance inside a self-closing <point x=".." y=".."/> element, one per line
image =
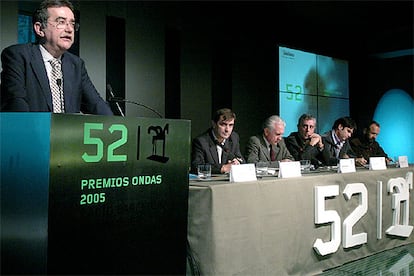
<point x="305" y="143"/>
<point x="269" y="146"/>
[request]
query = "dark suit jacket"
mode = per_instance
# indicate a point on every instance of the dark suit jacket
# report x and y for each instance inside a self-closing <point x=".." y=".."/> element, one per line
<point x="301" y="150"/>
<point x="329" y="149"/>
<point x="365" y="148"/>
<point x="25" y="85"/>
<point x="204" y="150"/>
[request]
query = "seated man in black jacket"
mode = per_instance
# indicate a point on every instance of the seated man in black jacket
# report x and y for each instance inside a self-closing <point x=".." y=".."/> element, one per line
<point x="305" y="144"/>
<point x="366" y="146"/>
<point x="218" y="145"/>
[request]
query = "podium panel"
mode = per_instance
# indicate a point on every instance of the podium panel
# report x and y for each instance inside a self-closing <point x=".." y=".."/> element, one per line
<point x="114" y="193"/>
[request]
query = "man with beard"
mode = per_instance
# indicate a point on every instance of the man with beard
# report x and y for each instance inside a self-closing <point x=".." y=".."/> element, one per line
<point x="366" y="146"/>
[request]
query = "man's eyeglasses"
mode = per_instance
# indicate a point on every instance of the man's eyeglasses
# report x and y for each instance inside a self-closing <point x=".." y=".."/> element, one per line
<point x="61" y="23"/>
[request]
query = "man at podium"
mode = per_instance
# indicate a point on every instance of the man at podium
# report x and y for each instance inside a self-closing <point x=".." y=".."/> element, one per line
<point x="44" y="77"/>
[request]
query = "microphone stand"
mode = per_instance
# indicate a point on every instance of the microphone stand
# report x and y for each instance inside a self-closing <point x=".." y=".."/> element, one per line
<point x="109" y="88"/>
<point x="116" y="100"/>
<point x="119" y="108"/>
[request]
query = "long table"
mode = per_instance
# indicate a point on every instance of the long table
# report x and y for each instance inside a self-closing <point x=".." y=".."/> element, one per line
<point x="297" y="226"/>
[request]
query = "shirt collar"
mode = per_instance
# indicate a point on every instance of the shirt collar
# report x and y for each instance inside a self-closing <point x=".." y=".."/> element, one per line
<point x="215" y="138"/>
<point x="46" y="55"/>
<point x="336" y="139"/>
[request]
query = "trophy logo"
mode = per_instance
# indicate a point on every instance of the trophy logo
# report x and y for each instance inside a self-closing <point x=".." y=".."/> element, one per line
<point x="159" y="135"/>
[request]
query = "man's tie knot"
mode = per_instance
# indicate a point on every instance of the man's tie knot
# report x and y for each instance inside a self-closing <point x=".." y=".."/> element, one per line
<point x="55" y="63"/>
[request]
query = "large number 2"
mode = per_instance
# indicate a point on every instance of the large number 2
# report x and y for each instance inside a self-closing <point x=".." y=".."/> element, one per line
<point x="89" y="140"/>
<point x="348" y="239"/>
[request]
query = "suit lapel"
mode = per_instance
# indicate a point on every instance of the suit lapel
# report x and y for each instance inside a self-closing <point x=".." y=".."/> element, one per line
<point x="213" y="152"/>
<point x="213" y="147"/>
<point x="225" y="155"/>
<point x="277" y="149"/>
<point x="265" y="150"/>
<point x="39" y="70"/>
<point x="67" y="85"/>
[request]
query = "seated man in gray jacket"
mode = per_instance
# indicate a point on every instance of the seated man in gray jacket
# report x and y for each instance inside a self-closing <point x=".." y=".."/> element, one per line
<point x="269" y="146"/>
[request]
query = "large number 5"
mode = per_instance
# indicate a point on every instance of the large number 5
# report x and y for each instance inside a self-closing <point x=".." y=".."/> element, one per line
<point x="88" y="140"/>
<point x="323" y="216"/>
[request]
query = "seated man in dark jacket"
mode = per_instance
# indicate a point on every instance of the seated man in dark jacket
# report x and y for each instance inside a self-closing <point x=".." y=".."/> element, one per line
<point x="218" y="145"/>
<point x="336" y="142"/>
<point x="366" y="146"/>
<point x="305" y="144"/>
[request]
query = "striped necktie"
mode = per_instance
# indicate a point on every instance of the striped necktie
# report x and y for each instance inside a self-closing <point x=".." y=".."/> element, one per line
<point x="56" y="86"/>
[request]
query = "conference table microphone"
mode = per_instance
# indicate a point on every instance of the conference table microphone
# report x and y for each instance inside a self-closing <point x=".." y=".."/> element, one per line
<point x="117" y="100"/>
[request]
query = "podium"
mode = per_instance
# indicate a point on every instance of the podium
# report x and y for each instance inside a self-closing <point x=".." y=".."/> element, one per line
<point x="88" y="194"/>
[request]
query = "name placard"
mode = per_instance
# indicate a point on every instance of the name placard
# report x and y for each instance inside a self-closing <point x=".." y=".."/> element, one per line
<point x="289" y="169"/>
<point x="346" y="165"/>
<point x="403" y="161"/>
<point x="243" y="172"/>
<point x="377" y="163"/>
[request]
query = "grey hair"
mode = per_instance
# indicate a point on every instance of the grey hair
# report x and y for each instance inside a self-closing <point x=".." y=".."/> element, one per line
<point x="272" y="120"/>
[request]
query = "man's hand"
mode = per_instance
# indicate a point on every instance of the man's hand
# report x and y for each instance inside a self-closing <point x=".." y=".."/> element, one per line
<point x="361" y="161"/>
<point x="316" y="139"/>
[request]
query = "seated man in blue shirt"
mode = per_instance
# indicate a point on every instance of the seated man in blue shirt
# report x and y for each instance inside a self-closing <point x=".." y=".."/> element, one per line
<point x="336" y="142"/>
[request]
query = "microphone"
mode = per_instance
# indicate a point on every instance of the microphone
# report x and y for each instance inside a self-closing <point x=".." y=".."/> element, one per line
<point x="230" y="155"/>
<point x="111" y="93"/>
<point x="117" y="100"/>
<point x="59" y="84"/>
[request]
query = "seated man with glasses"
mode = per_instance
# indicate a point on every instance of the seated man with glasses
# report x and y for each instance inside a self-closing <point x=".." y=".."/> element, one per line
<point x="44" y="77"/>
<point x="305" y="144"/>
